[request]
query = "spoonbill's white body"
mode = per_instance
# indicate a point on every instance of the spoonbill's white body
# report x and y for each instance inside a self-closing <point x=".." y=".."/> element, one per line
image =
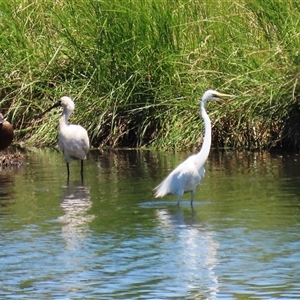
<point x="73" y="139"/>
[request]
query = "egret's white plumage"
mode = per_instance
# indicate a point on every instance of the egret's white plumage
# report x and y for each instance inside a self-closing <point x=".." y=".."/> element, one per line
<point x="73" y="139"/>
<point x="188" y="175"/>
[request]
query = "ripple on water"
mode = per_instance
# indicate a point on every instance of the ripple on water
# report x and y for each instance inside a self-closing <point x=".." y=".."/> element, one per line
<point x="105" y="239"/>
<point x="171" y="203"/>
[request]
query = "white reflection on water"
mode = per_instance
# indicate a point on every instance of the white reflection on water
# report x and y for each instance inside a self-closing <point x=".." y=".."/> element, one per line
<point x="76" y="204"/>
<point x="195" y="252"/>
<point x="243" y="243"/>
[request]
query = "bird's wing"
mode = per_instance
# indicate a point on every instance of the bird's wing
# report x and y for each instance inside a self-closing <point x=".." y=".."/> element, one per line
<point x="181" y="179"/>
<point x="190" y="176"/>
<point x="74" y="141"/>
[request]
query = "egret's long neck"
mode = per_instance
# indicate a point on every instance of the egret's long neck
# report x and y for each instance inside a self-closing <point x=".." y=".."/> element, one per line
<point x="204" y="152"/>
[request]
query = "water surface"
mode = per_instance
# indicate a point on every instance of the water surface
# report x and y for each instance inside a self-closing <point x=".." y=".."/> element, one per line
<point x="108" y="238"/>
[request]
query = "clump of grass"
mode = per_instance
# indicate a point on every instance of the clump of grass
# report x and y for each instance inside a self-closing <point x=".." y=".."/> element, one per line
<point x="137" y="70"/>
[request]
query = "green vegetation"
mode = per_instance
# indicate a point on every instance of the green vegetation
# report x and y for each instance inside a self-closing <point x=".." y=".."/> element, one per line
<point x="137" y="69"/>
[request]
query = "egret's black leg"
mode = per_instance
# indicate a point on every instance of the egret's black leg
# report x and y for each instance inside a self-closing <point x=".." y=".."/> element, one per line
<point x="68" y="171"/>
<point x="192" y="197"/>
<point x="81" y="171"/>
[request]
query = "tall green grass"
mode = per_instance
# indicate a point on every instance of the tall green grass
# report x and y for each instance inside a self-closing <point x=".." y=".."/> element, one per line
<point x="137" y="70"/>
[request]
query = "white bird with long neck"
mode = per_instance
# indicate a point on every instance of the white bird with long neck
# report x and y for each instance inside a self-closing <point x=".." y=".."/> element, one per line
<point x="73" y="139"/>
<point x="188" y="175"/>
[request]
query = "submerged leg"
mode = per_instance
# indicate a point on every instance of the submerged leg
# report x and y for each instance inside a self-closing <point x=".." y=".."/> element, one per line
<point x="192" y="196"/>
<point x="68" y="171"/>
<point x="81" y="171"/>
<point x="179" y="197"/>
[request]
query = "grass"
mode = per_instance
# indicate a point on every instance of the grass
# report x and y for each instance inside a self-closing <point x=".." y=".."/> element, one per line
<point x="137" y="70"/>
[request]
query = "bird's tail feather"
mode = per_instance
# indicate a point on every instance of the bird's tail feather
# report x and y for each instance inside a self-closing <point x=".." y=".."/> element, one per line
<point x="162" y="189"/>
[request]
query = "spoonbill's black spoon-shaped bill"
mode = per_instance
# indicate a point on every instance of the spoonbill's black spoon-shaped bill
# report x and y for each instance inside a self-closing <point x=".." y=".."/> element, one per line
<point x="73" y="139"/>
<point x="188" y="175"/>
<point x="6" y="133"/>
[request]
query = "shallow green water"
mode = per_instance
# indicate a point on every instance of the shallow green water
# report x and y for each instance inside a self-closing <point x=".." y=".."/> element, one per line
<point x="108" y="238"/>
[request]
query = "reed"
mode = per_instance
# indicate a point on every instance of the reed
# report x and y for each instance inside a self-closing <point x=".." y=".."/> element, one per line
<point x="137" y="70"/>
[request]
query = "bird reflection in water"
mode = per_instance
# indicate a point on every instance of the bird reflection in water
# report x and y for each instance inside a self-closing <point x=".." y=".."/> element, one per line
<point x="196" y="247"/>
<point x="76" y="204"/>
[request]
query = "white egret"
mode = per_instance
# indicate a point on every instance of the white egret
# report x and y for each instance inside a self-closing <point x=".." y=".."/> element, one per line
<point x="188" y="175"/>
<point x="6" y="133"/>
<point x="73" y="139"/>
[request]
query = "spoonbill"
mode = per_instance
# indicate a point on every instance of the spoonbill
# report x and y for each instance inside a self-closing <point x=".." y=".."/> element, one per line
<point x="6" y="133"/>
<point x="188" y="175"/>
<point x="73" y="140"/>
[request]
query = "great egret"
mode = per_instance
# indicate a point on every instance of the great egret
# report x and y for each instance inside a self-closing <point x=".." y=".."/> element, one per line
<point x="6" y="133"/>
<point x="188" y="175"/>
<point x="73" y="139"/>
